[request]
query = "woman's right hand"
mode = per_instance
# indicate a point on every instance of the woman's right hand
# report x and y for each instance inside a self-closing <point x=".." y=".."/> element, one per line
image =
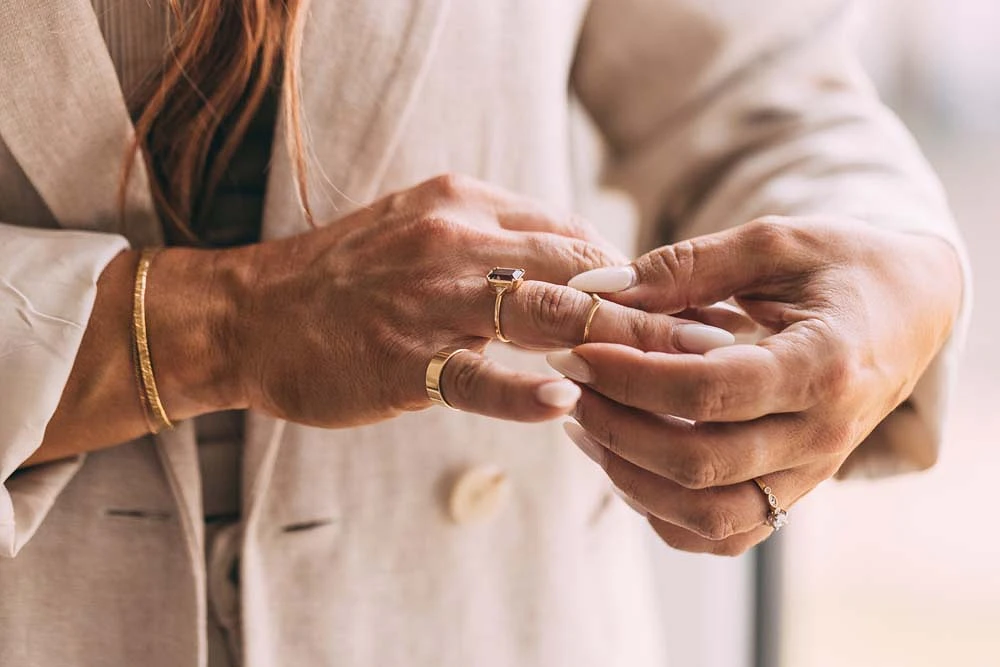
<point x="336" y="327"/>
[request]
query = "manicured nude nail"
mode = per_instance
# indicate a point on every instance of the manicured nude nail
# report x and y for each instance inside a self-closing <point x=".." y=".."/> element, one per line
<point x="571" y="365"/>
<point x="607" y="279"/>
<point x="700" y="338"/>
<point x="593" y="449"/>
<point x="561" y="394"/>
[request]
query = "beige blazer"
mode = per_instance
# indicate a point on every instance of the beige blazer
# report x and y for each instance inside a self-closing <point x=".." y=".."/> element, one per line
<point x="710" y="114"/>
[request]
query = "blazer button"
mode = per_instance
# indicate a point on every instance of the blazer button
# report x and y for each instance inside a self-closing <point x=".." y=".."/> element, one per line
<point x="479" y="494"/>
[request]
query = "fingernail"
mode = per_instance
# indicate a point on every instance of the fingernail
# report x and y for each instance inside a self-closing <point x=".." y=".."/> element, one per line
<point x="628" y="501"/>
<point x="561" y="394"/>
<point x="589" y="446"/>
<point x="571" y="365"/>
<point x="607" y="279"/>
<point x="700" y="338"/>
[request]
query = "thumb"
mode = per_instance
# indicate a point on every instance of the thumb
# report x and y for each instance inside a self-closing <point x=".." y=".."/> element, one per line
<point x="696" y="272"/>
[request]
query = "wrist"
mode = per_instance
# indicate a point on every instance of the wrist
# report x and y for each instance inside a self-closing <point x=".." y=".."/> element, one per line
<point x="941" y="262"/>
<point x="192" y="305"/>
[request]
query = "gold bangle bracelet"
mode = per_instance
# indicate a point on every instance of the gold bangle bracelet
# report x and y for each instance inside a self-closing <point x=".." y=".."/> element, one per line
<point x="155" y="412"/>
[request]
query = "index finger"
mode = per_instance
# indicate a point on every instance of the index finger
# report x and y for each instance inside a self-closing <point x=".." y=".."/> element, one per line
<point x="736" y="383"/>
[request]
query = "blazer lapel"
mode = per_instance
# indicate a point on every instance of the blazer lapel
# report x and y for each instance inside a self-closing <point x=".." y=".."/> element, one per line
<point x="63" y="117"/>
<point x="362" y="66"/>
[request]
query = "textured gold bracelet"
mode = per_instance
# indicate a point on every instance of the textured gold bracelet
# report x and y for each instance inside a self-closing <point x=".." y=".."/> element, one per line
<point x="144" y="364"/>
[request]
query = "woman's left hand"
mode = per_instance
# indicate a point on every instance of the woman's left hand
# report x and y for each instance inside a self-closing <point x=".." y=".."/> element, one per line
<point x="856" y="314"/>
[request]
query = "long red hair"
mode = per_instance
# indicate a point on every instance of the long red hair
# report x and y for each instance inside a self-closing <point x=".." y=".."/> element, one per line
<point x="223" y="56"/>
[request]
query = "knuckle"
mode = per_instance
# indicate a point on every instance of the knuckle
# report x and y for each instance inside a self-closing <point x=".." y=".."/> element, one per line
<point x="770" y="235"/>
<point x="449" y="185"/>
<point x="671" y="266"/>
<point x="462" y="382"/>
<point x="553" y="308"/>
<point x="395" y="202"/>
<point x="696" y="472"/>
<point x="649" y="332"/>
<point x="589" y="256"/>
<point x="715" y="523"/>
<point x="641" y="333"/>
<point x="708" y="398"/>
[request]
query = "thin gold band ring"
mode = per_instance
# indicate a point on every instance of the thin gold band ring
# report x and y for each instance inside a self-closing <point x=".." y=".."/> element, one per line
<point x="496" y="316"/>
<point x="590" y="316"/>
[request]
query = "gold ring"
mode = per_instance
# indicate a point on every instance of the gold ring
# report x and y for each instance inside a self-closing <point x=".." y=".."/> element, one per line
<point x="503" y="280"/>
<point x="777" y="518"/>
<point x="432" y="379"/>
<point x="590" y="316"/>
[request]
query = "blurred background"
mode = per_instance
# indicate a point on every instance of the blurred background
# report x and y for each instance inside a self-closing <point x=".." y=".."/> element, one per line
<point x="907" y="571"/>
<point x="901" y="572"/>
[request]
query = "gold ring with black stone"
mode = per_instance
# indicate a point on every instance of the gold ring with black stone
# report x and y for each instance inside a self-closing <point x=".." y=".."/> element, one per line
<point x="590" y="317"/>
<point x="503" y="280"/>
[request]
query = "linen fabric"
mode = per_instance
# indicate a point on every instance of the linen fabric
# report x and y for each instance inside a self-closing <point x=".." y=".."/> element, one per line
<point x="710" y="114"/>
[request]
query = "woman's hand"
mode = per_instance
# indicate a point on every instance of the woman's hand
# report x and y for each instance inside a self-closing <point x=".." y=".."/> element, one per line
<point x="856" y="315"/>
<point x="337" y="326"/>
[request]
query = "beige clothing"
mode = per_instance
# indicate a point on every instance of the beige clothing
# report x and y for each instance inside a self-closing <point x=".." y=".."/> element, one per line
<point x="713" y="113"/>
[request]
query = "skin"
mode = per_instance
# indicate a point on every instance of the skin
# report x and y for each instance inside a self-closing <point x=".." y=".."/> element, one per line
<point x="856" y="314"/>
<point x="335" y="327"/>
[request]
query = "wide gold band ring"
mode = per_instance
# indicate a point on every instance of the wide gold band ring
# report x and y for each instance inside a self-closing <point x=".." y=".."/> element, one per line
<point x="590" y="317"/>
<point x="503" y="280"/>
<point x="432" y="378"/>
<point x="777" y="518"/>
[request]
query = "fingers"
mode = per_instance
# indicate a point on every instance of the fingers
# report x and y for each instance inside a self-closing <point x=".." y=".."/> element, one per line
<point x="551" y="244"/>
<point x="547" y="257"/>
<point x="473" y="383"/>
<point x="711" y="268"/>
<point x="544" y="316"/>
<point x="722" y="316"/>
<point x="697" y="455"/>
<point x="788" y="372"/>
<point x="714" y="513"/>
<point x="530" y="216"/>
<point x="685" y="540"/>
<point x="519" y="213"/>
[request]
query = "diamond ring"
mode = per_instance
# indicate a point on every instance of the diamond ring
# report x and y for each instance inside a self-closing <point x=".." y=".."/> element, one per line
<point x="777" y="517"/>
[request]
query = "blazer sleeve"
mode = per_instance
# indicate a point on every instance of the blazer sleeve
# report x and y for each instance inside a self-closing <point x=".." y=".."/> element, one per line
<point x="716" y="113"/>
<point x="48" y="284"/>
